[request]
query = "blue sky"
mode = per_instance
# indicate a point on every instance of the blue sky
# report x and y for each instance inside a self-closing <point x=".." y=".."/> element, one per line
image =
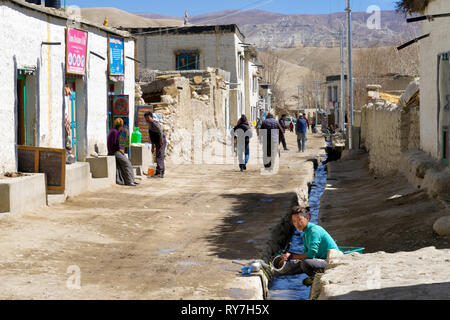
<point x="195" y="7"/>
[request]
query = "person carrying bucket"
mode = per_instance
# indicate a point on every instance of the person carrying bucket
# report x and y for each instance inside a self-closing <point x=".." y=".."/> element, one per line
<point x="316" y="242"/>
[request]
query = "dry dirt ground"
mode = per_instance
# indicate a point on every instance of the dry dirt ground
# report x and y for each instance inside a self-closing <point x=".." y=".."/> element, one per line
<point x="378" y="213"/>
<point x="173" y="238"/>
<point x="393" y="221"/>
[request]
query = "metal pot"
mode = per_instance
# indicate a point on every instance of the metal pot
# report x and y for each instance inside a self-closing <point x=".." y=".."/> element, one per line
<point x="256" y="266"/>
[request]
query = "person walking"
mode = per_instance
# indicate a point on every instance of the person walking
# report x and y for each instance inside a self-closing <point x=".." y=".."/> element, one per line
<point x="242" y="133"/>
<point x="268" y="130"/>
<point x="300" y="131"/>
<point x="124" y="169"/>
<point x="283" y="131"/>
<point x="316" y="241"/>
<point x="159" y="143"/>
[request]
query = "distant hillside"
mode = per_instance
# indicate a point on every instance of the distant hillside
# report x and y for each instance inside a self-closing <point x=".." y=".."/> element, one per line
<point x="273" y="30"/>
<point x="120" y="18"/>
<point x="157" y="16"/>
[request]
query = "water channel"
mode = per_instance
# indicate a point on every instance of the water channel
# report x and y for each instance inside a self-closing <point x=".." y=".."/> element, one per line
<point x="291" y="287"/>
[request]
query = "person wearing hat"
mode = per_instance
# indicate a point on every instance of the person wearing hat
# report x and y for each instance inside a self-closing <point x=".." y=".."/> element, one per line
<point x="124" y="169"/>
<point x="159" y="143"/>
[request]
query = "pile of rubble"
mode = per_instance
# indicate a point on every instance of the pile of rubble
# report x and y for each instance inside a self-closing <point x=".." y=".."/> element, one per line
<point x="180" y="98"/>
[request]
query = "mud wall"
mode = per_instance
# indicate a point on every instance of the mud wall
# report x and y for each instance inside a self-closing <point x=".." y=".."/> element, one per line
<point x="386" y="132"/>
<point x="192" y="116"/>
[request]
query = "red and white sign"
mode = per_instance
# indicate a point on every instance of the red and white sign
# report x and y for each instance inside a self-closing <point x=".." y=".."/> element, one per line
<point x="76" y="49"/>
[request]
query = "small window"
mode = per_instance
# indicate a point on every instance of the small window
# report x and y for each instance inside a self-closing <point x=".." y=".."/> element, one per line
<point x="187" y="60"/>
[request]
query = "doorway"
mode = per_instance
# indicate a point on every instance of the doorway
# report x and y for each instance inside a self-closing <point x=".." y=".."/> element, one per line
<point x="77" y="116"/>
<point x="26" y="109"/>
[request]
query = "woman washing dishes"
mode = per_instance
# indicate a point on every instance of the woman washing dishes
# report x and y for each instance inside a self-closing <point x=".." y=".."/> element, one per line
<point x="124" y="169"/>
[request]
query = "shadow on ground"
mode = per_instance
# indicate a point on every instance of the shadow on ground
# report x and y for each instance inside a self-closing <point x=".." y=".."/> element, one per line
<point x="257" y="226"/>
<point x="378" y="213"/>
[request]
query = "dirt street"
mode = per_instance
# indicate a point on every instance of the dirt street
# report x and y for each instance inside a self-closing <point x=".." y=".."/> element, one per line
<point x="393" y="221"/>
<point x="388" y="214"/>
<point x="164" y="239"/>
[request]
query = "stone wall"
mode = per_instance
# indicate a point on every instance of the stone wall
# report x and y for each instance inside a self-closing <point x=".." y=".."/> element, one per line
<point x="192" y="111"/>
<point x="386" y="132"/>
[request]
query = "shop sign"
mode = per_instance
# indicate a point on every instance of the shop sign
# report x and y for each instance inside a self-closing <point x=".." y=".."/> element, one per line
<point x="116" y="56"/>
<point x="76" y="51"/>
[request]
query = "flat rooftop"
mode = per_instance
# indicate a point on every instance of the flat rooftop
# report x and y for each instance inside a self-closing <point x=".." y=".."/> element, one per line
<point x="186" y="30"/>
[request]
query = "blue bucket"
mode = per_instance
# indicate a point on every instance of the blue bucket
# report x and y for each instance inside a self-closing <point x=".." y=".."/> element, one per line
<point x="347" y="250"/>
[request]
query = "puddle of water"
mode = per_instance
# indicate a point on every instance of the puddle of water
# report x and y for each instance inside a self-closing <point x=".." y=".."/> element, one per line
<point x="240" y="221"/>
<point x="291" y="287"/>
<point x="189" y="263"/>
<point x="266" y="200"/>
<point x="167" y="250"/>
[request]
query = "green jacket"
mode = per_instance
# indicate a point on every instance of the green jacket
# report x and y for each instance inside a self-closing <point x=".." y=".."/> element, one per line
<point x="317" y="242"/>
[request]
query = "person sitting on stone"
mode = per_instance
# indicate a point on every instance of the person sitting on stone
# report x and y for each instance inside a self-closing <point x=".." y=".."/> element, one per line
<point x="316" y="242"/>
<point x="124" y="169"/>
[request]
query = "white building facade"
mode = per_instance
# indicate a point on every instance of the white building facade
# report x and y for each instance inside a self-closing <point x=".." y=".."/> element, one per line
<point x="34" y="81"/>
<point x="197" y="48"/>
<point x="435" y="83"/>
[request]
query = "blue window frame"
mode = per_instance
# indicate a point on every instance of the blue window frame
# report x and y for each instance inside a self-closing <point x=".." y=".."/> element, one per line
<point x="187" y="60"/>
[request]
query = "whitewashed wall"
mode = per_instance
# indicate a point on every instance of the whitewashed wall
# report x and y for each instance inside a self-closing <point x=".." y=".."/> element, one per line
<point x="438" y="42"/>
<point x="22" y="32"/>
<point x="130" y="78"/>
<point x="157" y="52"/>
<point x="97" y="86"/>
<point x="254" y="97"/>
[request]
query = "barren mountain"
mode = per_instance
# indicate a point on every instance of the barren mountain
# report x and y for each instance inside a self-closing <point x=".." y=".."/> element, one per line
<point x="273" y="30"/>
<point x="120" y="18"/>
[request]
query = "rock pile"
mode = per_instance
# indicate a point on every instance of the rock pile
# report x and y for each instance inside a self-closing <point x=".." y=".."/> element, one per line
<point x="181" y="98"/>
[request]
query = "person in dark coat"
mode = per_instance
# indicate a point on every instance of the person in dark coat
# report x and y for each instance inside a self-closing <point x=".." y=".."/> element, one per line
<point x="159" y="143"/>
<point x="283" y="131"/>
<point x="124" y="169"/>
<point x="270" y="129"/>
<point x="243" y="133"/>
